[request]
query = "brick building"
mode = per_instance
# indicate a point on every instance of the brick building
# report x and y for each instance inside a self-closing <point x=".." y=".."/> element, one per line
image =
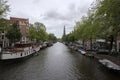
<point x="23" y="26"/>
<point x="4" y="42"/>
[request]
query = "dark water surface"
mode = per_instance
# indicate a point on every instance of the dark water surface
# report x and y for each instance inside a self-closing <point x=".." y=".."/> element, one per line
<point x="56" y="63"/>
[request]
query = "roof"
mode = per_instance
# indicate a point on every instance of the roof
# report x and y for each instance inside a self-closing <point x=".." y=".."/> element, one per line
<point x="14" y="19"/>
<point x="20" y="19"/>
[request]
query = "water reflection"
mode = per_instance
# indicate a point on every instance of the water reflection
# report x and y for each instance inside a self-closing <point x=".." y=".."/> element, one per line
<point x="55" y="63"/>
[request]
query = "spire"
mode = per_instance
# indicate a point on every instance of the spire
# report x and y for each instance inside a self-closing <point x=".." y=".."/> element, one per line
<point x="64" y="34"/>
<point x="64" y="31"/>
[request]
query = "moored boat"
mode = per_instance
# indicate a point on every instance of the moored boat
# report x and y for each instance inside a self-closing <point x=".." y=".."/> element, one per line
<point x="110" y="65"/>
<point x="20" y="50"/>
<point x="82" y="51"/>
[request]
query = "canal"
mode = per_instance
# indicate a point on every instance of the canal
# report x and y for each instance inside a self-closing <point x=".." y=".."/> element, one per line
<point x="56" y="63"/>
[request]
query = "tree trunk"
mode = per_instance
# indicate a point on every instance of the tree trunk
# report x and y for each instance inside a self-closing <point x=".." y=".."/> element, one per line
<point x="91" y="44"/>
<point x="115" y="44"/>
<point x="111" y="42"/>
<point x="83" y="43"/>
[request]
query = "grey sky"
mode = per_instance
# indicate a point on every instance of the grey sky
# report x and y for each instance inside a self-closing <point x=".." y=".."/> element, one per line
<point x="53" y="13"/>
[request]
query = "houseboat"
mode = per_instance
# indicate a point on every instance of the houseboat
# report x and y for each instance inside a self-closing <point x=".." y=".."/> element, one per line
<point x="20" y="50"/>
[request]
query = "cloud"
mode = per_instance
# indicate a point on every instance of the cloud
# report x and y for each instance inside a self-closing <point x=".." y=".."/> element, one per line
<point x="53" y="13"/>
<point x="57" y="19"/>
<point x="36" y="1"/>
<point x="72" y="13"/>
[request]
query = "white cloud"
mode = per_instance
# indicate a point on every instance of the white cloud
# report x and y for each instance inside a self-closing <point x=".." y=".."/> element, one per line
<point x="53" y="13"/>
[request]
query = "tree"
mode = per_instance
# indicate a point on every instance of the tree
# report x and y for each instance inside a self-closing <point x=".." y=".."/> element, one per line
<point x="39" y="26"/>
<point x="42" y="35"/>
<point x="32" y="33"/>
<point x="38" y="32"/>
<point x="70" y="37"/>
<point x="3" y="8"/>
<point x="4" y="24"/>
<point x="52" y="37"/>
<point x="13" y="33"/>
<point x="108" y="11"/>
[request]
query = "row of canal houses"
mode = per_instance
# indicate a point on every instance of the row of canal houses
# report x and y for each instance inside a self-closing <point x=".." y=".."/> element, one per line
<point x="88" y="43"/>
<point x="23" y="25"/>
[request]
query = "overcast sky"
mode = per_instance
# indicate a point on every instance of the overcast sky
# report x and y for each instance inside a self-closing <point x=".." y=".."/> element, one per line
<point x="53" y="13"/>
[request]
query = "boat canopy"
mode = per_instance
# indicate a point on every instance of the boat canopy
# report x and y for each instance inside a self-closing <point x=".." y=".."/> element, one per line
<point x="19" y="45"/>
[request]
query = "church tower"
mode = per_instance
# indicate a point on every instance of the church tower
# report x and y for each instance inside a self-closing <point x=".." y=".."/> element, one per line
<point x="64" y="31"/>
<point x="64" y="34"/>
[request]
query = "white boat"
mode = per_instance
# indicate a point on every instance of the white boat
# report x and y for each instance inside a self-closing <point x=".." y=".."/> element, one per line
<point x="82" y="51"/>
<point x="109" y="64"/>
<point x="20" y="50"/>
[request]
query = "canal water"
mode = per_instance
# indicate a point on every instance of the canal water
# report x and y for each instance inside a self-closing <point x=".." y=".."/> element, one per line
<point x="56" y="63"/>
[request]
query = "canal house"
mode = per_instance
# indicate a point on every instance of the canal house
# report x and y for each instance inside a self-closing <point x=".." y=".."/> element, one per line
<point x="4" y="42"/>
<point x="23" y="25"/>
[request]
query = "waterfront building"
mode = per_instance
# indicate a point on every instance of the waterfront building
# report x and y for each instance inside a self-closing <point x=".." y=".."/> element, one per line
<point x="4" y="42"/>
<point x="23" y="25"/>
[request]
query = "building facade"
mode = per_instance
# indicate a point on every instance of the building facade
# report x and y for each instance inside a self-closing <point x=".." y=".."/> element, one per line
<point x="23" y="25"/>
<point x="4" y="42"/>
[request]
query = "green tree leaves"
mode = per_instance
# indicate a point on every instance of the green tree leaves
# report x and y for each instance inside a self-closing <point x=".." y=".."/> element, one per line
<point x="38" y="32"/>
<point x="103" y="21"/>
<point x="3" y="8"/>
<point x="32" y="33"/>
<point x="13" y="33"/>
<point x="41" y="34"/>
<point x="52" y="37"/>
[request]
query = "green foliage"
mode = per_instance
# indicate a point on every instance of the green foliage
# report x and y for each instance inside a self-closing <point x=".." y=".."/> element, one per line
<point x="41" y="34"/>
<point x="39" y="26"/>
<point x="3" y="8"/>
<point x="38" y="32"/>
<point x="13" y="33"/>
<point x="110" y="11"/>
<point x="86" y="29"/>
<point x="4" y="24"/>
<point x="70" y="37"/>
<point x="32" y="33"/>
<point x="102" y="21"/>
<point x="52" y="37"/>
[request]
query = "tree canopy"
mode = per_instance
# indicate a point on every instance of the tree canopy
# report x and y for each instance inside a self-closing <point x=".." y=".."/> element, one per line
<point x="13" y="33"/>
<point x="3" y="8"/>
<point x="38" y="32"/>
<point x="102" y="21"/>
<point x="52" y="37"/>
<point x="32" y="33"/>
